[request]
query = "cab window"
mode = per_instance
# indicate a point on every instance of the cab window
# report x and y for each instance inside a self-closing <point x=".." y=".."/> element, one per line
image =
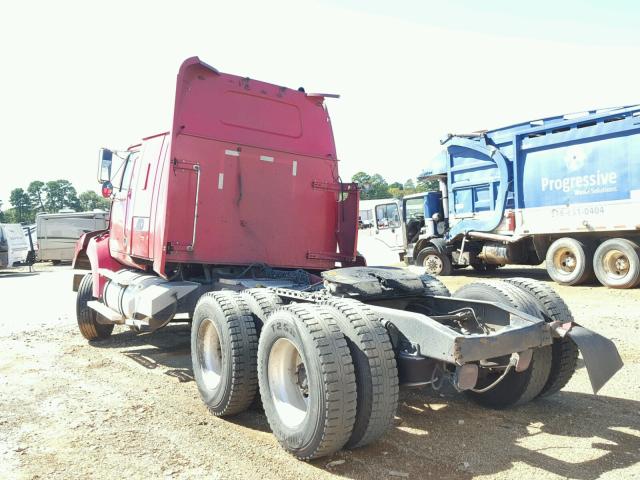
<point x="387" y="216"/>
<point x="365" y="218"/>
<point x="125" y="180"/>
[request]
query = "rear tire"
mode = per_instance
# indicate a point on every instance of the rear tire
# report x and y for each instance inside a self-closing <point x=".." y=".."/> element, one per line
<point x="564" y="352"/>
<point x="617" y="263"/>
<point x="517" y="387"/>
<point x="87" y="317"/>
<point x="434" y="261"/>
<point x="307" y="380"/>
<point x="224" y="346"/>
<point x="433" y="286"/>
<point x="261" y="302"/>
<point x="569" y="262"/>
<point x="375" y="369"/>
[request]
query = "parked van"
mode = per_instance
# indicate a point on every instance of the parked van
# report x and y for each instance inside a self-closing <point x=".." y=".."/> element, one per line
<point x="381" y="236"/>
<point x="59" y="232"/>
<point x="14" y="246"/>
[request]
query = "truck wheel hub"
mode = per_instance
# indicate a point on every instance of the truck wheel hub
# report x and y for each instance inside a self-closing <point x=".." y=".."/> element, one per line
<point x="565" y="260"/>
<point x="616" y="264"/>
<point x="210" y="353"/>
<point x="288" y="382"/>
<point x="433" y="264"/>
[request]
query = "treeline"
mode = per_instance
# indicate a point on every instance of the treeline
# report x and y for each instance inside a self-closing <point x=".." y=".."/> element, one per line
<point x="49" y="197"/>
<point x="53" y="196"/>
<point x="373" y="187"/>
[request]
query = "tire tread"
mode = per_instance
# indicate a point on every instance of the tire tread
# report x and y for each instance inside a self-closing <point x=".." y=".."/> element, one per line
<point x="564" y="351"/>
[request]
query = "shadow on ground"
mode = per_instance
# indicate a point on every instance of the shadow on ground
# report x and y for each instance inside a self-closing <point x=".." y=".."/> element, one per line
<point x="569" y="434"/>
<point x="10" y="274"/>
<point x="168" y="348"/>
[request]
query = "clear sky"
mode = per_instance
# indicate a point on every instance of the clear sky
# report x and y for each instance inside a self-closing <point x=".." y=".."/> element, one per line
<point x="80" y="75"/>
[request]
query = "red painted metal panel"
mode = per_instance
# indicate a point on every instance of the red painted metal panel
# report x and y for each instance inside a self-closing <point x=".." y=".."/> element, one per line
<point x="100" y="257"/>
<point x="249" y="112"/>
<point x="236" y="180"/>
<point x="252" y="208"/>
<point x="152" y="149"/>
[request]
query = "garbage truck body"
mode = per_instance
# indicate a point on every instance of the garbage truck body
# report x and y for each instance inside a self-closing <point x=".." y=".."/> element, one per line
<point x="564" y="189"/>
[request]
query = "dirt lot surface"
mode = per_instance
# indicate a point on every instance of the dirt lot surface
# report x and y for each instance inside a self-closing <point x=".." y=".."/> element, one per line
<point x="128" y="407"/>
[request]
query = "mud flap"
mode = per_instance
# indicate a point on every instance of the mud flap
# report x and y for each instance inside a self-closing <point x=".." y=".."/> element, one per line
<point x="600" y="355"/>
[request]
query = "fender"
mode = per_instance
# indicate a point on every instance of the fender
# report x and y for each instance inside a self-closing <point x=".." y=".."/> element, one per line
<point x="80" y="260"/>
<point x="92" y="250"/>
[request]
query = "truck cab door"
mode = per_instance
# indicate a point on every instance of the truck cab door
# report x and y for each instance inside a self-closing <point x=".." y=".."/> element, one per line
<point x="414" y="218"/>
<point x="383" y="243"/>
<point x="389" y="225"/>
<point x="143" y="187"/>
<point x="120" y="231"/>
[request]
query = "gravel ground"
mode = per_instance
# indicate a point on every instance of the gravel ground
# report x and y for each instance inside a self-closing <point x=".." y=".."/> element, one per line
<point x="128" y="407"/>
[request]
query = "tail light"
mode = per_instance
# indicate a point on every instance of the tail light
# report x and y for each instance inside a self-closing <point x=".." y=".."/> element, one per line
<point x="510" y="220"/>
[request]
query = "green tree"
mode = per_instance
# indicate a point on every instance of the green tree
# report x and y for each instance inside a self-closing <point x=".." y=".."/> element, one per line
<point x="37" y="195"/>
<point x="60" y="194"/>
<point x="371" y="186"/>
<point x="10" y="215"/>
<point x="21" y="203"/>
<point x="1" y="213"/>
<point x="90" y="200"/>
<point x="409" y="184"/>
<point x="427" y="185"/>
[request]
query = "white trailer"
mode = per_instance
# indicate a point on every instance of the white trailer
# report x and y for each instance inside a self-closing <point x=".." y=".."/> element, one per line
<point x="14" y="246"/>
<point x="59" y="232"/>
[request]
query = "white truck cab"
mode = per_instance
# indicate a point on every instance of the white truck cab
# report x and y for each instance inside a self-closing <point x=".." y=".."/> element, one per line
<point x="380" y="234"/>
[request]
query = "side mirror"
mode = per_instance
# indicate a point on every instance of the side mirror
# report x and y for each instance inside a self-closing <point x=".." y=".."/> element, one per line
<point x="104" y="168"/>
<point x="107" y="189"/>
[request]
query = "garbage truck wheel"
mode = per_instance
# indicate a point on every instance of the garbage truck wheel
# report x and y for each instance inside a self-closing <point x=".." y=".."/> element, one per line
<point x="516" y="387"/>
<point x="375" y="369"/>
<point x="569" y="262"/>
<point x="307" y="381"/>
<point x="434" y="261"/>
<point x="224" y="345"/>
<point x="564" y="351"/>
<point x="617" y="263"/>
<point x="87" y="317"/>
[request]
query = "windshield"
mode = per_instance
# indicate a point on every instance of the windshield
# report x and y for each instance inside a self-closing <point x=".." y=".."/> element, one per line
<point x="414" y="208"/>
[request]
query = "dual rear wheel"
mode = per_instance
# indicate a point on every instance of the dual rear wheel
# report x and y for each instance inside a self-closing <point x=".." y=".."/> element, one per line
<point x="326" y="374"/>
<point x="550" y="368"/>
<point x="615" y="262"/>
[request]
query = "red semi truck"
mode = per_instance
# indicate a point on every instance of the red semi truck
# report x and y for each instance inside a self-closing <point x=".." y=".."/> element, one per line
<point x="235" y="221"/>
